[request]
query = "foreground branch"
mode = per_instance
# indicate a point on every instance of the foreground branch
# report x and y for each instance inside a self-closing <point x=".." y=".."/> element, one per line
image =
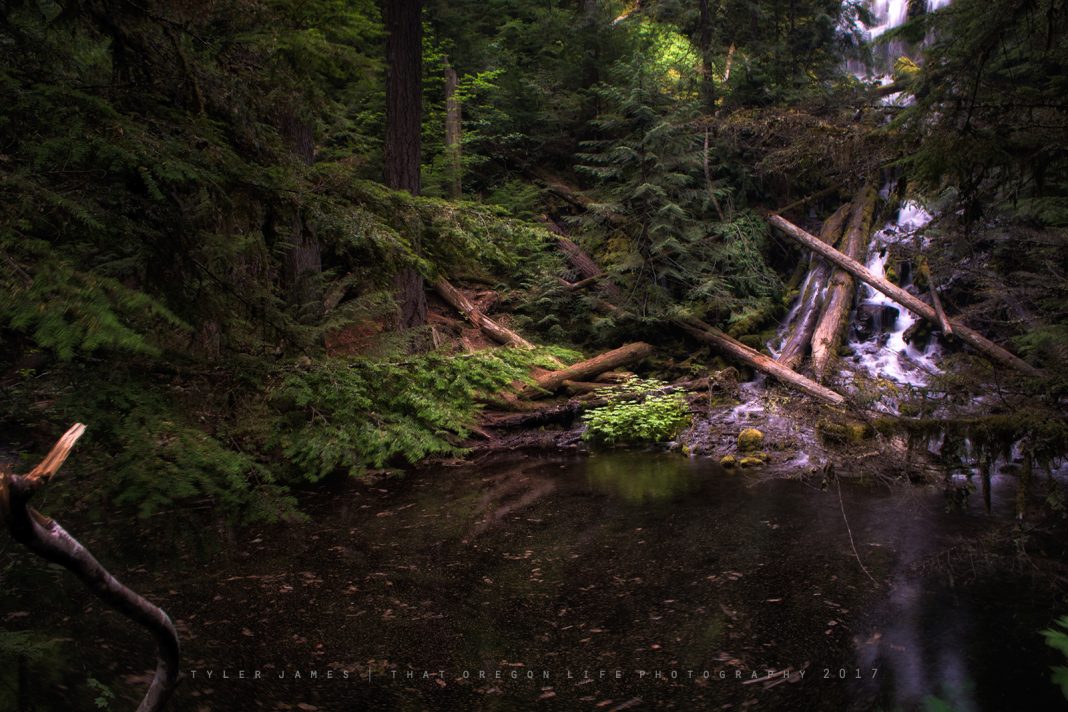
<point x="969" y="336"/>
<point x="46" y="538"/>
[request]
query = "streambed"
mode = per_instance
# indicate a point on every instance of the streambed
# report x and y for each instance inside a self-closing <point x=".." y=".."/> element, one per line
<point x="616" y="581"/>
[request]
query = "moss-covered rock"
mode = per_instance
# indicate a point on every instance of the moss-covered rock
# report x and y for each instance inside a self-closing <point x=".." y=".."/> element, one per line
<point x="843" y="432"/>
<point x="750" y="439"/>
<point x="750" y="462"/>
<point x="728" y="462"/>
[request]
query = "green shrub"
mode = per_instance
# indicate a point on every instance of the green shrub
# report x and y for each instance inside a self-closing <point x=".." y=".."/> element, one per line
<point x="639" y="412"/>
<point x="1057" y="638"/>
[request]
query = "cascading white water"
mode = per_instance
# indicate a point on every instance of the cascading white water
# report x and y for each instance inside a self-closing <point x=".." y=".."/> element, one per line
<point x="884" y="353"/>
<point x="889" y="14"/>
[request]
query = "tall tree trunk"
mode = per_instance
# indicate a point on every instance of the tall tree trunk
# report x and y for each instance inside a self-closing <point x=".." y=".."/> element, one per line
<point x="452" y="133"/>
<point x="704" y="43"/>
<point x="302" y="265"/>
<point x="404" y="108"/>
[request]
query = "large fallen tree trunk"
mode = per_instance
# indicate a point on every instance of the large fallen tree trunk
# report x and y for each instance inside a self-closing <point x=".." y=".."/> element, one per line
<point x="795" y="346"/>
<point x="715" y="337"/>
<point x="834" y="316"/>
<point x="969" y="336"/>
<point x="553" y="380"/>
<point x="765" y="364"/>
<point x="497" y="332"/>
<point x="46" y="538"/>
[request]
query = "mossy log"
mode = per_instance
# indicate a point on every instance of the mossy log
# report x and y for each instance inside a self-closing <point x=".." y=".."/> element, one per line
<point x="710" y="335"/>
<point x="551" y="381"/>
<point x="587" y="268"/>
<point x="834" y="313"/>
<point x="970" y="336"/>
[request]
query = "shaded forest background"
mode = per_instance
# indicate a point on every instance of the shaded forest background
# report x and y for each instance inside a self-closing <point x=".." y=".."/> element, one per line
<point x="200" y="256"/>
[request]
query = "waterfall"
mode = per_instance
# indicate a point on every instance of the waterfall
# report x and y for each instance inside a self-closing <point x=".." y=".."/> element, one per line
<point x="889" y="14"/>
<point x="880" y="325"/>
<point x="879" y="333"/>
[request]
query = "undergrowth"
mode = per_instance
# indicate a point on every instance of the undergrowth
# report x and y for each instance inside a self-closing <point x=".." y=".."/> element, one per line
<point x="639" y="411"/>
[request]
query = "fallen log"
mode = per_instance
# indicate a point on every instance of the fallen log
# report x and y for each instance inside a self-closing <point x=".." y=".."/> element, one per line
<point x="834" y="315"/>
<point x="553" y="380"/>
<point x="587" y="268"/>
<point x="567" y="412"/>
<point x="795" y="346"/>
<point x="46" y="538"/>
<point x="581" y="284"/>
<point x="582" y="386"/>
<point x="971" y="337"/>
<point x="765" y="364"/>
<point x="715" y="337"/>
<point x="943" y="320"/>
<point x="497" y="332"/>
<point x="561" y="413"/>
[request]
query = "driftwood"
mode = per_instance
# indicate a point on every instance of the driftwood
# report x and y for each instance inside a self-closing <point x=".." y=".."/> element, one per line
<point x="553" y="380"/>
<point x="46" y="538"/>
<point x="969" y="336"/>
<point x="710" y="335"/>
<point x="834" y="316"/>
<point x="795" y="346"/>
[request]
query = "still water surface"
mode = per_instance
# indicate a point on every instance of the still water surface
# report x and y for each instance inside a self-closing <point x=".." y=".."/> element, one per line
<point x="624" y="581"/>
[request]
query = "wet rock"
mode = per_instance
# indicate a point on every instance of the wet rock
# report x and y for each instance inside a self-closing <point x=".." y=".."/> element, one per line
<point x="723" y="386"/>
<point x="750" y="462"/>
<point x="918" y="335"/>
<point x="750" y="439"/>
<point x="728" y="461"/>
<point x="874" y="319"/>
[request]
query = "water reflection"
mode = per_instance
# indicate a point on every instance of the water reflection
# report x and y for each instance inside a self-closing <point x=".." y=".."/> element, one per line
<point x="637" y="563"/>
<point x="644" y="479"/>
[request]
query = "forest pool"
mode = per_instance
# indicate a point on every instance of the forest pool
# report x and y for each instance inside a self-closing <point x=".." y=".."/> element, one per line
<point x="617" y="581"/>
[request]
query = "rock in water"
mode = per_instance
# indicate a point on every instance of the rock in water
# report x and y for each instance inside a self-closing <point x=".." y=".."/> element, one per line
<point x="750" y="439"/>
